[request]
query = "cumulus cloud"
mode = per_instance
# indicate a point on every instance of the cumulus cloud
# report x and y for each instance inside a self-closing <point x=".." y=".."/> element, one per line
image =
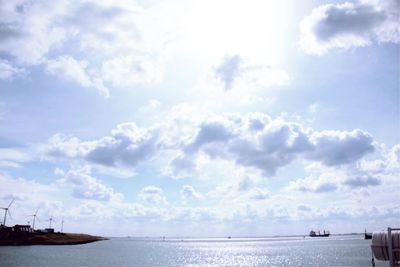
<point x="29" y="30"/>
<point x="210" y="132"/>
<point x="245" y="184"/>
<point x="126" y="147"/>
<point x="350" y="25"/>
<point x="85" y="186"/>
<point x="363" y="174"/>
<point x="362" y="181"/>
<point x="393" y="158"/>
<point x="74" y="70"/>
<point x="322" y="184"/>
<point x="33" y="33"/>
<point x="124" y="72"/>
<point x="8" y="71"/>
<point x="236" y="73"/>
<point x="335" y="147"/>
<point x="257" y="141"/>
<point x="188" y="193"/>
<point x="152" y="195"/>
<point x="258" y="194"/>
<point x="252" y="141"/>
<point x="334" y="179"/>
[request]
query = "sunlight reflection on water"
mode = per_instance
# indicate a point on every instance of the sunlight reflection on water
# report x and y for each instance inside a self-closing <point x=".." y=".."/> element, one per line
<point x="332" y="251"/>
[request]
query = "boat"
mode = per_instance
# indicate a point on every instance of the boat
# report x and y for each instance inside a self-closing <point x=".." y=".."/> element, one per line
<point x="315" y="234"/>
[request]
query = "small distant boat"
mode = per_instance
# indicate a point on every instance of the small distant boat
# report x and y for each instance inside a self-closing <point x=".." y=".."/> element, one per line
<point x="367" y="235"/>
<point x="315" y="234"/>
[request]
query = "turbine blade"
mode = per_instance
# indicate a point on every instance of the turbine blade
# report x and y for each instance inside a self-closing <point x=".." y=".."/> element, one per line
<point x="37" y="218"/>
<point x="9" y="214"/>
<point x="11" y="203"/>
<point x="36" y="211"/>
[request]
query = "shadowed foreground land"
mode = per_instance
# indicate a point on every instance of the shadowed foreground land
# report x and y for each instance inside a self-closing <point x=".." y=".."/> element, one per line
<point x="18" y="239"/>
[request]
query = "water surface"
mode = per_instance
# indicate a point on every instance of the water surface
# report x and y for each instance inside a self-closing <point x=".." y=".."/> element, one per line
<point x="296" y="251"/>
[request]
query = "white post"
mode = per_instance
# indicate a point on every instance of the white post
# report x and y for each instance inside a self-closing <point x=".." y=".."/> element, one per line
<point x="390" y="249"/>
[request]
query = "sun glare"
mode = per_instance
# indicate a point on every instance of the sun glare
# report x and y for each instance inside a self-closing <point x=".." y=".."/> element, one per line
<point x="238" y="27"/>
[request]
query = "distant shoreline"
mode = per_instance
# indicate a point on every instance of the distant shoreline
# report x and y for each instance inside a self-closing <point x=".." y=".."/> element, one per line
<point x="28" y="239"/>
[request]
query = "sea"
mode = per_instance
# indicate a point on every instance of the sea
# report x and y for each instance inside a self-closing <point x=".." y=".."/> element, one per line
<point x="350" y="250"/>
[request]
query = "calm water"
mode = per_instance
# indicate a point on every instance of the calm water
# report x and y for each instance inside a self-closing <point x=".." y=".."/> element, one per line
<point x="332" y="251"/>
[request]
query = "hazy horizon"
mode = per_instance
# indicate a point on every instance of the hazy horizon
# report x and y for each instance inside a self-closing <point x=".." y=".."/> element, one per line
<point x="200" y="118"/>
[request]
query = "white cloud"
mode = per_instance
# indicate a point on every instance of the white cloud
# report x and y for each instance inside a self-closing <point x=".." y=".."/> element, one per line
<point x="258" y="194"/>
<point x="350" y="25"/>
<point x="126" y="147"/>
<point x="30" y="30"/>
<point x="125" y="72"/>
<point x="336" y="147"/>
<point x="193" y="215"/>
<point x="322" y="184"/>
<point x="343" y="178"/>
<point x="378" y="174"/>
<point x="256" y="141"/>
<point x="8" y="71"/>
<point x="228" y="71"/>
<point x="362" y="181"/>
<point x="11" y="157"/>
<point x="64" y="146"/>
<point x="304" y="208"/>
<point x="35" y="33"/>
<point x="71" y="69"/>
<point x="238" y="191"/>
<point x="86" y="186"/>
<point x="141" y="213"/>
<point x="253" y="141"/>
<point x="393" y="158"/>
<point x="30" y="191"/>
<point x="151" y="105"/>
<point x="237" y="74"/>
<point x="152" y="195"/>
<point x="188" y="193"/>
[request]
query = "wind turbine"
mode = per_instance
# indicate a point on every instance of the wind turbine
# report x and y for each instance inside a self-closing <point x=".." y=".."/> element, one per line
<point x="50" y="220"/>
<point x="34" y="218"/>
<point x="6" y="210"/>
<point x="62" y="224"/>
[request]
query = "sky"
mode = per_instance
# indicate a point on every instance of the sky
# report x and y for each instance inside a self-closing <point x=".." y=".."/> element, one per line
<point x="200" y="118"/>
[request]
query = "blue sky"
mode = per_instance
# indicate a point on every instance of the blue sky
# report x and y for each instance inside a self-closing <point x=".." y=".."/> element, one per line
<point x="204" y="118"/>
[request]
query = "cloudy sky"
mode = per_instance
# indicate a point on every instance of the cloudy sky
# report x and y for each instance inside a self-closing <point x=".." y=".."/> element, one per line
<point x="201" y="118"/>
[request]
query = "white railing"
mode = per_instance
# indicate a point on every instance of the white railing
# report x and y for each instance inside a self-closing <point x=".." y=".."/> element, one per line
<point x="386" y="246"/>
